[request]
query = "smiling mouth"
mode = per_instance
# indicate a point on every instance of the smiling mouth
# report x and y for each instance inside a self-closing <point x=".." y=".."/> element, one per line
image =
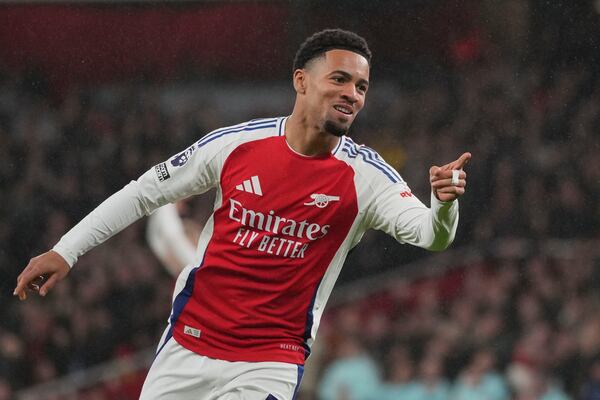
<point x="343" y="109"/>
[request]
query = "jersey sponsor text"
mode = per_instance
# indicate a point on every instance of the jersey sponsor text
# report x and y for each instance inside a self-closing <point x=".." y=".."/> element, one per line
<point x="275" y="224"/>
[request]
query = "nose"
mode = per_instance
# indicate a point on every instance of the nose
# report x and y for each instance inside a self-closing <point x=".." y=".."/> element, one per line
<point x="350" y="93"/>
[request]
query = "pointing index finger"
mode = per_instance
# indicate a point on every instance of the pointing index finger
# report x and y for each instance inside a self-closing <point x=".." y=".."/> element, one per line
<point x="462" y="161"/>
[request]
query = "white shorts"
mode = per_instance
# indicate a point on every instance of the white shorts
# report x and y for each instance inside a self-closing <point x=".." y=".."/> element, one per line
<point x="178" y="373"/>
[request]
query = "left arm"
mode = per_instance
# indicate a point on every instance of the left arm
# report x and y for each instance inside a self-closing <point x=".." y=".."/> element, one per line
<point x="400" y="214"/>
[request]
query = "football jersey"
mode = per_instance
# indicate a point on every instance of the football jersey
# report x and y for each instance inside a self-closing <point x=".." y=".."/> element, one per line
<point x="282" y="226"/>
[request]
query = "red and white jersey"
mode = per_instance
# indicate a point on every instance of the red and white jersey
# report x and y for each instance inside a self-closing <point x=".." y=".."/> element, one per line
<point x="272" y="250"/>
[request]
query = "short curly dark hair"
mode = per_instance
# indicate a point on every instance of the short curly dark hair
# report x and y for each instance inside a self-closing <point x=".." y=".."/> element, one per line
<point x="330" y="39"/>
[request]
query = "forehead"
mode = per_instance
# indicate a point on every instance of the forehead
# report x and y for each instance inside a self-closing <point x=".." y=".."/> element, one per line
<point x="343" y="60"/>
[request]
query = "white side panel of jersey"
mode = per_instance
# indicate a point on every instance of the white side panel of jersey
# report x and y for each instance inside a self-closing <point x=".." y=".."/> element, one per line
<point x="205" y="237"/>
<point x="203" y="241"/>
<point x="207" y="232"/>
<point x="330" y="277"/>
<point x="355" y="233"/>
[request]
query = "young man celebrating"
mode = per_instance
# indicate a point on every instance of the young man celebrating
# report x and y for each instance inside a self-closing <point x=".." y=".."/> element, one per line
<point x="294" y="196"/>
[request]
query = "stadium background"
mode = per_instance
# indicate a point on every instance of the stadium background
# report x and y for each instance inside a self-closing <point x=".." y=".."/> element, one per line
<point x="94" y="93"/>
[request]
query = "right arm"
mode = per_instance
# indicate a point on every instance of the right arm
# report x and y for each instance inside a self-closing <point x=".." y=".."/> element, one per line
<point x="193" y="171"/>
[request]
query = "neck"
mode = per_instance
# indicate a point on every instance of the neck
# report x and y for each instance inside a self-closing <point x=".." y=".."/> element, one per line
<point x="304" y="137"/>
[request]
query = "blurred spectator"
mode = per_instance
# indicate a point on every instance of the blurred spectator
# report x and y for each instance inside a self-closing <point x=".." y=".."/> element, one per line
<point x="591" y="388"/>
<point x="400" y="384"/>
<point x="353" y="376"/>
<point x="541" y="388"/>
<point x="479" y="380"/>
<point x="431" y="383"/>
<point x="5" y="390"/>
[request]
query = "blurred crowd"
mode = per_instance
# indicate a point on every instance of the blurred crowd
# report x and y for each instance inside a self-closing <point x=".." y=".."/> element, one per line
<point x="59" y="159"/>
<point x="500" y="329"/>
<point x="535" y="173"/>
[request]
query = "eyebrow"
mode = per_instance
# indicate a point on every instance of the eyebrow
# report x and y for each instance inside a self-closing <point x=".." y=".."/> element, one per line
<point x="349" y="76"/>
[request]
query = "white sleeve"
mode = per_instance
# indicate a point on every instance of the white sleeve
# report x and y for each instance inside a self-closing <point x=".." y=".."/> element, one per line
<point x="193" y="171"/>
<point x="399" y="213"/>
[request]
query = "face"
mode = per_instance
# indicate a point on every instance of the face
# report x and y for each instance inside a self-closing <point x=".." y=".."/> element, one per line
<point x="333" y="88"/>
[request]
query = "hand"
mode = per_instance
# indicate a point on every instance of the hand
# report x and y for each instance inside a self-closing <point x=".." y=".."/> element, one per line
<point x="441" y="179"/>
<point x="49" y="265"/>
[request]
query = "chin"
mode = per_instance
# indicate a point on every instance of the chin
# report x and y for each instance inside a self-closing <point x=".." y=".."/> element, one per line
<point x="335" y="128"/>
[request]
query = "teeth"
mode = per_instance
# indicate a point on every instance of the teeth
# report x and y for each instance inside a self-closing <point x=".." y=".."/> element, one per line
<point x="343" y="109"/>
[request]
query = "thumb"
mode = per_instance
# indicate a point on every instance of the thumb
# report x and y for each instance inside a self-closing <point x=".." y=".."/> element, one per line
<point x="433" y="171"/>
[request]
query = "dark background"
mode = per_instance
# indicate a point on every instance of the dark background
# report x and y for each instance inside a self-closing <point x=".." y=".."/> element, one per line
<point x="82" y="112"/>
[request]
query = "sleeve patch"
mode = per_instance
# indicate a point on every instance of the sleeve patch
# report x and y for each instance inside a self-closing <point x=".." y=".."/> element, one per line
<point x="162" y="172"/>
<point x="182" y="158"/>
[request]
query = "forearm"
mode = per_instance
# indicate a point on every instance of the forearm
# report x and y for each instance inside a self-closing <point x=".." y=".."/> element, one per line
<point x="113" y="215"/>
<point x="431" y="228"/>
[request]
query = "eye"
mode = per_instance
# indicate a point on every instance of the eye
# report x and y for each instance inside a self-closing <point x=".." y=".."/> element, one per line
<point x="362" y="88"/>
<point x="338" y="79"/>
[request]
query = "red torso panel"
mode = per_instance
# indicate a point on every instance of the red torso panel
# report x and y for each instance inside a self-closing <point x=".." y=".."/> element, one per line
<point x="282" y="218"/>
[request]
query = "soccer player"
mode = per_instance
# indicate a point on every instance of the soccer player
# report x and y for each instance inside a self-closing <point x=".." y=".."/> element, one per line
<point x="168" y="239"/>
<point x="294" y="195"/>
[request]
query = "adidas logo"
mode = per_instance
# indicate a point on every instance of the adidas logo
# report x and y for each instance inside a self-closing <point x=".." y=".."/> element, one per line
<point x="188" y="330"/>
<point x="251" y="185"/>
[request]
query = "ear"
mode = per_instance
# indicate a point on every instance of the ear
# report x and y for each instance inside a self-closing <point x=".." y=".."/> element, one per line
<point x="299" y="79"/>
